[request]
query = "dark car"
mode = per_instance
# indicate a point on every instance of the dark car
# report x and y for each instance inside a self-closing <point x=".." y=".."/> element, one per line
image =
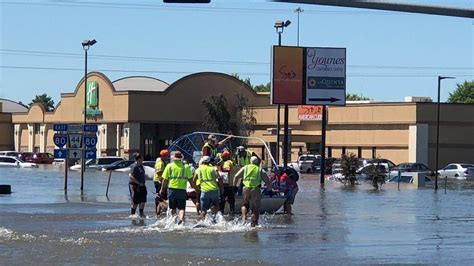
<point x="390" y="164"/>
<point x="410" y="167"/>
<point x="117" y="165"/>
<point x="38" y="158"/>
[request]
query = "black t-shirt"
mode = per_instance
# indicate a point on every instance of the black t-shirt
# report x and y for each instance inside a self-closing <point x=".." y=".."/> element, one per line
<point x="139" y="173"/>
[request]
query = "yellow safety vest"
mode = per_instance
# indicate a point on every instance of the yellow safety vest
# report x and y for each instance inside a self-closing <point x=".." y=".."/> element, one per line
<point x="206" y="178"/>
<point x="177" y="174"/>
<point x="159" y="167"/>
<point x="212" y="149"/>
<point x="245" y="161"/>
<point x="252" y="176"/>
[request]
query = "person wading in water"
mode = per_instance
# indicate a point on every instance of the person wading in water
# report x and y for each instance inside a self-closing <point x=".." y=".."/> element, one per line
<point x="137" y="186"/>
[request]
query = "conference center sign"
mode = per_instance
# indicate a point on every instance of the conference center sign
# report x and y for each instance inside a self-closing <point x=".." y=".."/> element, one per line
<point x="308" y="76"/>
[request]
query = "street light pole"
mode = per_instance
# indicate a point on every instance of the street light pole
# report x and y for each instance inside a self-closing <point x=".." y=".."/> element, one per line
<point x="437" y="128"/>
<point x="85" y="45"/>
<point x="298" y="10"/>
<point x="279" y="26"/>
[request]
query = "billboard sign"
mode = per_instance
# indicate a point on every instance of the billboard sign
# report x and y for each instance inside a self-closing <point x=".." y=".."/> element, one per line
<point x="308" y="76"/>
<point x="287" y="75"/>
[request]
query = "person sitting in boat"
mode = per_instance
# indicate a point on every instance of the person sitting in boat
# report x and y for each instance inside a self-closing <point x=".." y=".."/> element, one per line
<point x="210" y="184"/>
<point x="191" y="193"/>
<point x="226" y="168"/>
<point x="175" y="178"/>
<point x="160" y="165"/>
<point x="211" y="146"/>
<point x="243" y="156"/>
<point x="287" y="184"/>
<point x="252" y="176"/>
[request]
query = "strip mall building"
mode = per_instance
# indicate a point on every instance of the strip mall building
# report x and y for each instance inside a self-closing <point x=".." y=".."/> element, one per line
<point x="146" y="114"/>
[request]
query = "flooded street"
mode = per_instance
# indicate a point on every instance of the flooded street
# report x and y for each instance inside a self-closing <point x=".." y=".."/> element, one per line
<point x="334" y="225"/>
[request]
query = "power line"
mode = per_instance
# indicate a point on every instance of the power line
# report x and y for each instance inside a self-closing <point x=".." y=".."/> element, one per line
<point x="97" y="4"/>
<point x="207" y="61"/>
<point x="240" y="73"/>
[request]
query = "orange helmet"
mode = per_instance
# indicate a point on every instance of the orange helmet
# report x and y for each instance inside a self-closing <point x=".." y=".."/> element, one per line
<point x="226" y="154"/>
<point x="164" y="153"/>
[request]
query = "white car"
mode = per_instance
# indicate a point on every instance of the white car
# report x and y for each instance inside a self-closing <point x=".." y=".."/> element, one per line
<point x="97" y="164"/>
<point x="11" y="153"/>
<point x="305" y="162"/>
<point x="10" y="161"/>
<point x="458" y="171"/>
<point x="147" y="166"/>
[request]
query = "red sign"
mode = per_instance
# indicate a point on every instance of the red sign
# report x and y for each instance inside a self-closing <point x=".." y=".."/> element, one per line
<point x="287" y="75"/>
<point x="310" y="112"/>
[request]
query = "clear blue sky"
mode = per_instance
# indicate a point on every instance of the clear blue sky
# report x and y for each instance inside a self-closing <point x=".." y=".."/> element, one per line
<point x="390" y="55"/>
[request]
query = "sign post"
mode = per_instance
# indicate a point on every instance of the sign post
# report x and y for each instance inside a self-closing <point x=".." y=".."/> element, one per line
<point x="60" y="139"/>
<point x="309" y="76"/>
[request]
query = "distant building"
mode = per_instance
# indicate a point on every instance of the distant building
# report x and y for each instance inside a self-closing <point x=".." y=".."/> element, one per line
<point x="7" y="107"/>
<point x="146" y="114"/>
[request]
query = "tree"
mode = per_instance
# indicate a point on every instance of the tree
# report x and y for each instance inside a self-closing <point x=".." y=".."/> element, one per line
<point x="44" y="100"/>
<point x="349" y="165"/>
<point x="238" y="119"/>
<point x="376" y="175"/>
<point x="464" y="93"/>
<point x="355" y="97"/>
<point x="257" y="88"/>
<point x="262" y="88"/>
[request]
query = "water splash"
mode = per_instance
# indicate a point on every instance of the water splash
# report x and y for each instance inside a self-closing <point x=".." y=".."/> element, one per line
<point x="211" y="224"/>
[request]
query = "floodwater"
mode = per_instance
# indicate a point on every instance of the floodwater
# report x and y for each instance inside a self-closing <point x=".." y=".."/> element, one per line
<point x="334" y="225"/>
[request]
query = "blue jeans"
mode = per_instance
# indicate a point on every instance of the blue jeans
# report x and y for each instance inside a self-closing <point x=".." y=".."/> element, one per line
<point x="209" y="199"/>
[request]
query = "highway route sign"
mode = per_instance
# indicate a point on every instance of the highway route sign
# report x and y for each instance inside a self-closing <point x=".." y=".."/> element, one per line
<point x="91" y="154"/>
<point x="90" y="128"/>
<point x="60" y="153"/>
<point x="60" y="127"/>
<point x="90" y="141"/>
<point x="75" y="154"/>
<point x="74" y="128"/>
<point x="75" y="141"/>
<point x="60" y="140"/>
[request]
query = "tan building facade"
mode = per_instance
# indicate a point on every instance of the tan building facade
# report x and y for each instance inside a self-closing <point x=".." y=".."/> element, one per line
<point x="136" y="113"/>
<point x="146" y="114"/>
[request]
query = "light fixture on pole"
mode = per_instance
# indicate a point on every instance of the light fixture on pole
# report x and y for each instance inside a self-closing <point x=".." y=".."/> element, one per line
<point x="280" y="26"/>
<point x="437" y="128"/>
<point x="86" y="44"/>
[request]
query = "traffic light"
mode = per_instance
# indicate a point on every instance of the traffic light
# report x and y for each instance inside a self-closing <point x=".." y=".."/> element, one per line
<point x="187" y="1"/>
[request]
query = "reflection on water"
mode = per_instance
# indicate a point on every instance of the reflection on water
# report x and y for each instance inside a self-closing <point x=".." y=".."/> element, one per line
<point x="331" y="225"/>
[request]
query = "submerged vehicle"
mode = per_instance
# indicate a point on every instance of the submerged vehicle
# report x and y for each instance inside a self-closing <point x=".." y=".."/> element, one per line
<point x="190" y="146"/>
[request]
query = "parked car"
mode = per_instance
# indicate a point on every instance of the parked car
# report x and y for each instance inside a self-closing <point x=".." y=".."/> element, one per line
<point x="363" y="172"/>
<point x="305" y="162"/>
<point x="117" y="165"/>
<point x="387" y="163"/>
<point x="458" y="171"/>
<point x="38" y="158"/>
<point x="405" y="179"/>
<point x="11" y="161"/>
<point x="410" y="167"/>
<point x="58" y="162"/>
<point x="97" y="164"/>
<point x="149" y="167"/>
<point x="11" y="153"/>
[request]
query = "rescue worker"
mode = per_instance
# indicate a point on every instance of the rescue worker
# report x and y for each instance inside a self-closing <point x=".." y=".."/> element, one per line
<point x="252" y="176"/>
<point x="160" y="165"/>
<point x="210" y="185"/>
<point x="225" y="172"/>
<point x="137" y="186"/>
<point x="175" y="178"/>
<point x="210" y="147"/>
<point x="243" y="156"/>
